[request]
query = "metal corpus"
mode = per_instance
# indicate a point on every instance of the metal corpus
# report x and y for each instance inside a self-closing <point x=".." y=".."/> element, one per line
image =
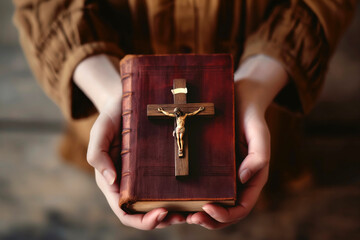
<point x="180" y="125"/>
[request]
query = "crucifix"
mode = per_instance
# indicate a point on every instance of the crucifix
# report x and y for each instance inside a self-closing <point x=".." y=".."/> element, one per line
<point x="180" y="110"/>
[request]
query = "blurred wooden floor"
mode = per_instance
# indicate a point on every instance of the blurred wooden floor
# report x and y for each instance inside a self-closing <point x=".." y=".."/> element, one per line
<point x="43" y="198"/>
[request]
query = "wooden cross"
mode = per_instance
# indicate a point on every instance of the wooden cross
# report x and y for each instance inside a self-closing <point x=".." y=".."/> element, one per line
<point x="187" y="109"/>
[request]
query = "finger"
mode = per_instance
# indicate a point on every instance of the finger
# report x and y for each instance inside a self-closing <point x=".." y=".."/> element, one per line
<point x="171" y="219"/>
<point x="101" y="136"/>
<point x="247" y="201"/>
<point x="204" y="220"/>
<point x="146" y="221"/>
<point x="227" y="215"/>
<point x="188" y="218"/>
<point x="111" y="193"/>
<point x="258" y="139"/>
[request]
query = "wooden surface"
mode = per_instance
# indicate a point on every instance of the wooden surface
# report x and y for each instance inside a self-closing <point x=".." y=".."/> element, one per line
<point x="179" y="98"/>
<point x="181" y="163"/>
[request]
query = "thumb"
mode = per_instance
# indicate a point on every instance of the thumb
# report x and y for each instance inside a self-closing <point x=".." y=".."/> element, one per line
<point x="258" y="140"/>
<point x="101" y="137"/>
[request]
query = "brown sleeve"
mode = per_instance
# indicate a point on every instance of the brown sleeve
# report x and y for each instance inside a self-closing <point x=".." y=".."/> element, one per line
<point x="56" y="35"/>
<point x="302" y="37"/>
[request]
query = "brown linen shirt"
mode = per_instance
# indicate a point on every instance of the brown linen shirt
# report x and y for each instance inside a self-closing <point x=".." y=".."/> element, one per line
<point x="301" y="34"/>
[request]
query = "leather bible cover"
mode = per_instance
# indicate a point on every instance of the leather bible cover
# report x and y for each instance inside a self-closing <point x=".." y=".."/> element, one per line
<point x="147" y="172"/>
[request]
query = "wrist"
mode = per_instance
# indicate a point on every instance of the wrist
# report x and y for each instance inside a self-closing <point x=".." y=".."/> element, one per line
<point x="111" y="104"/>
<point x="257" y="82"/>
<point x="97" y="77"/>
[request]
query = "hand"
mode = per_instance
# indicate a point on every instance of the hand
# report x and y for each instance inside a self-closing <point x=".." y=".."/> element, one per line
<point x="103" y="150"/>
<point x="253" y="173"/>
<point x="257" y="82"/>
<point x="104" y="145"/>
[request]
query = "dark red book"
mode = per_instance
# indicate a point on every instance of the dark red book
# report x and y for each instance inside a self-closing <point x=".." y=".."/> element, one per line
<point x="149" y="177"/>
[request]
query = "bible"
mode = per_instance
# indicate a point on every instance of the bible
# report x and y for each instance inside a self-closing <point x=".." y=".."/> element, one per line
<point x="178" y="135"/>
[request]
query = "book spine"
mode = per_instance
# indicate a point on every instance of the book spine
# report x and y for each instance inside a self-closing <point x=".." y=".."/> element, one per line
<point x="126" y="194"/>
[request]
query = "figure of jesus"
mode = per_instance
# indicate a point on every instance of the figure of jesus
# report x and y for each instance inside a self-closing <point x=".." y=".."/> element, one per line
<point x="180" y="125"/>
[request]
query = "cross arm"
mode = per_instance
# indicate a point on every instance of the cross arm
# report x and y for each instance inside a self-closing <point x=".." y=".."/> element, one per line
<point x="160" y="109"/>
<point x="195" y="112"/>
<point x="152" y="109"/>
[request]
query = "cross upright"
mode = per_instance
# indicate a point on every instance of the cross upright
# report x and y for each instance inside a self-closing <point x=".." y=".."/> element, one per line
<point x="180" y="110"/>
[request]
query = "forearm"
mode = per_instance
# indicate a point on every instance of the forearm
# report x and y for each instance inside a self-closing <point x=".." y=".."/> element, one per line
<point x="99" y="80"/>
<point x="257" y="82"/>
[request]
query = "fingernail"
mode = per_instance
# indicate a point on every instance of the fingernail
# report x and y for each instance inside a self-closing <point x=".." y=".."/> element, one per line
<point x="179" y="222"/>
<point x="109" y="176"/>
<point x="208" y="210"/>
<point x="161" y="216"/>
<point x="245" y="175"/>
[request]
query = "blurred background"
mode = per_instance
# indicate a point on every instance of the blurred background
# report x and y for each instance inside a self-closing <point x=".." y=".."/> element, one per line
<point x="42" y="197"/>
